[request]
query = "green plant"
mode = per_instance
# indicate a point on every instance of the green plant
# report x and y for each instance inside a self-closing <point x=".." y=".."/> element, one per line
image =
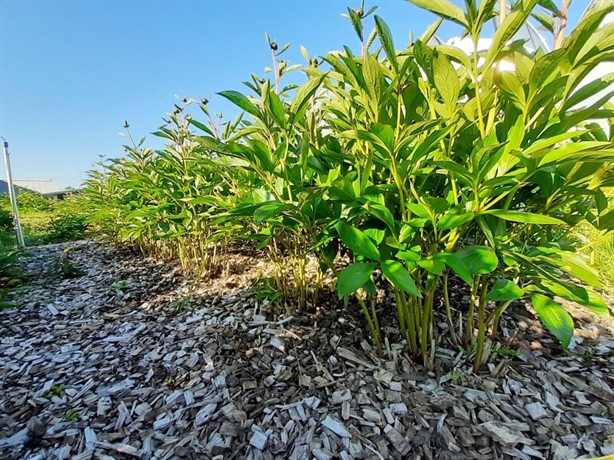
<point x="504" y="351"/>
<point x="598" y="249"/>
<point x="66" y="227"/>
<point x="33" y="201"/>
<point x="6" y="220"/>
<point x="119" y="287"/>
<point x="456" y="376"/>
<point x="67" y="268"/>
<point x="183" y="303"/>
<point x="56" y="390"/>
<point x="427" y="165"/>
<point x="266" y="290"/>
<point x="72" y="415"/>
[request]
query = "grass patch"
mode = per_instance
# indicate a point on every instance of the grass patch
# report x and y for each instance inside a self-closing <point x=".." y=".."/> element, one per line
<point x="599" y="252"/>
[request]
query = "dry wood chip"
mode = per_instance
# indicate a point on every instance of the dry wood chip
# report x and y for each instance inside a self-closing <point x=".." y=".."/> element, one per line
<point x="322" y="454"/>
<point x="504" y="435"/>
<point x="121" y="448"/>
<point x="162" y="423"/>
<point x="258" y="440"/>
<point x="340" y="396"/>
<point x="90" y="438"/>
<point x="536" y="410"/>
<point x="336" y="427"/>
<point x="278" y="343"/>
<point x="449" y="439"/>
<point x="398" y="440"/>
<point x="205" y="414"/>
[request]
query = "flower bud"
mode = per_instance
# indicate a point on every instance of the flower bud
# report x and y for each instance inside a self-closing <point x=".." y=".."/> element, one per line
<point x="126" y="125"/>
<point x="274" y="46"/>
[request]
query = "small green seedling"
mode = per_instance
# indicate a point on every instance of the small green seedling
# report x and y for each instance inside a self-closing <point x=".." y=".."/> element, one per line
<point x="183" y="303"/>
<point x="504" y="351"/>
<point x="67" y="268"/>
<point x="56" y="390"/>
<point x="71" y="415"/>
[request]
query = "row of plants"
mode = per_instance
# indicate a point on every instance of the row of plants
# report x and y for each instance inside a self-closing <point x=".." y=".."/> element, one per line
<point x="427" y="165"/>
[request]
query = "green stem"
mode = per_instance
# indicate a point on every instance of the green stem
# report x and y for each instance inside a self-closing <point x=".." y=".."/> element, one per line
<point x="495" y="316"/>
<point x="446" y="298"/>
<point x="470" y="320"/>
<point x="374" y="331"/>
<point x="427" y="314"/>
<point x="481" y="326"/>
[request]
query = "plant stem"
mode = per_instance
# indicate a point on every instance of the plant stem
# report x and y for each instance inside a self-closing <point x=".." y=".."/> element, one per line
<point x="477" y="364"/>
<point x="446" y="298"/>
<point x="470" y="320"/>
<point x="560" y="33"/>
<point x="374" y="331"/>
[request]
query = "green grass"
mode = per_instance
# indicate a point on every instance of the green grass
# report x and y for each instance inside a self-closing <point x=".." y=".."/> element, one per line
<point x="43" y="220"/>
<point x="599" y="250"/>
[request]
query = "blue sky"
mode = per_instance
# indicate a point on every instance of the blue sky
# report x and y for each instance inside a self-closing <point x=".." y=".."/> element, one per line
<point x="72" y="71"/>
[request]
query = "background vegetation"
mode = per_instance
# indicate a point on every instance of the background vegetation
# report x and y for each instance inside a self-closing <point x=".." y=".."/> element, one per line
<point x="44" y="220"/>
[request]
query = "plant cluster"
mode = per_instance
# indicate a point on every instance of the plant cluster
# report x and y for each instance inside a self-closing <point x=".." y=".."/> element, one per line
<point x="427" y="165"/>
<point x="44" y="220"/>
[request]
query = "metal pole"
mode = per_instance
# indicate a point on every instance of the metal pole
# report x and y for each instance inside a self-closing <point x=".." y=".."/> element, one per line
<point x="9" y="178"/>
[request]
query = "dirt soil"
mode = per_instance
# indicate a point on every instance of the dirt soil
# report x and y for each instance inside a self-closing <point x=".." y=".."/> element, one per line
<point x="134" y="360"/>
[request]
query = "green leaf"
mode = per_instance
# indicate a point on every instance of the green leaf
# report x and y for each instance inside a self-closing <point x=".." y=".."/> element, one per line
<point x="353" y="277"/>
<point x="419" y="210"/>
<point x="555" y="318"/>
<point x="504" y="290"/>
<point x="399" y="277"/>
<point x="382" y="213"/>
<point x="546" y="21"/>
<point x="508" y="28"/>
<point x="277" y="109"/>
<point x="241" y="101"/>
<point x="200" y="126"/>
<point x="270" y="210"/>
<point x="444" y="9"/>
<point x="376" y="234"/>
<point x="357" y="241"/>
<point x="550" y="5"/>
<point x="524" y="217"/>
<point x="478" y="259"/>
<point x="576" y="266"/>
<point x="589" y="90"/>
<point x="373" y="77"/>
<point x="454" y="220"/>
<point x="457" y="265"/>
<point x="577" y="294"/>
<point x="385" y="37"/>
<point x="585" y="29"/>
<point x="385" y="133"/>
<point x="446" y="81"/>
<point x="302" y="96"/>
<point x="432" y="265"/>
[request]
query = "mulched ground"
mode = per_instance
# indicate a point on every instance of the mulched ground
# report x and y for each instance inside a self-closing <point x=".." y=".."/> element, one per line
<point x="134" y="360"/>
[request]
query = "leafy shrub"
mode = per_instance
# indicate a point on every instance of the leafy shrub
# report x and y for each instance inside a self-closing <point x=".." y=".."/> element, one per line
<point x="66" y="227"/>
<point x="33" y="201"/>
<point x="424" y="163"/>
<point x="6" y="220"/>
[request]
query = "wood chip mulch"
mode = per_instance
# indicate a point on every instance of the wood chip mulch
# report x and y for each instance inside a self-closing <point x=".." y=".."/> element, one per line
<point x="134" y="360"/>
